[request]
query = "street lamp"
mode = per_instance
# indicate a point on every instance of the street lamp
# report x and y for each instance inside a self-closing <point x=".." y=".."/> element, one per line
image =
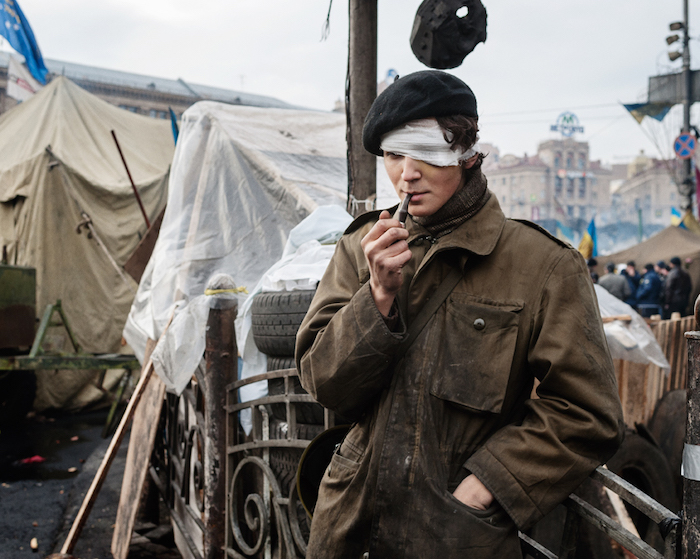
<point x="676" y="26"/>
<point x="672" y="39"/>
<point x="674" y="55"/>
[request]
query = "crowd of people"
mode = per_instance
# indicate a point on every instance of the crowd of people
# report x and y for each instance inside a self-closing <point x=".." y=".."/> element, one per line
<point x="661" y="289"/>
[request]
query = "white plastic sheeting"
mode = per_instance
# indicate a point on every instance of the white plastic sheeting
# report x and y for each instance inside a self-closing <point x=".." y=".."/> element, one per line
<point x="241" y="179"/>
<point x="633" y="341"/>
<point x="304" y="262"/>
<point x="180" y="349"/>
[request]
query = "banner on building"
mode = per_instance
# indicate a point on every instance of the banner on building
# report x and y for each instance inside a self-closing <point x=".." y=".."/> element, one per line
<point x="20" y="83"/>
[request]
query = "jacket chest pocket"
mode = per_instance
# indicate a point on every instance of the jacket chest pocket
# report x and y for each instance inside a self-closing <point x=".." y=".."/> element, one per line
<point x="475" y="352"/>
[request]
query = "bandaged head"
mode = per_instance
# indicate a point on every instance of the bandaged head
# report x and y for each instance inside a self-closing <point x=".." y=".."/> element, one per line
<point x="424" y="140"/>
<point x="421" y="95"/>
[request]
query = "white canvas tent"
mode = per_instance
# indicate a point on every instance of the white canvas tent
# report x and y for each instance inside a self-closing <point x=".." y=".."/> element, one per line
<point x="58" y="160"/>
<point x="241" y="179"/>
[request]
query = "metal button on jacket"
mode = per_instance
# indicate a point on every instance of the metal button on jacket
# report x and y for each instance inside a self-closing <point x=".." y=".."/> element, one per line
<point x="479" y="324"/>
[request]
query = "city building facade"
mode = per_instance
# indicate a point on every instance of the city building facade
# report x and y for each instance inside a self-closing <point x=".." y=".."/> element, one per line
<point x="559" y="183"/>
<point x="146" y="95"/>
<point x="649" y="192"/>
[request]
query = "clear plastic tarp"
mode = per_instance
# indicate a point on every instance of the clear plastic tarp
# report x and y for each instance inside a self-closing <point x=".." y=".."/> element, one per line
<point x="632" y="341"/>
<point x="242" y="178"/>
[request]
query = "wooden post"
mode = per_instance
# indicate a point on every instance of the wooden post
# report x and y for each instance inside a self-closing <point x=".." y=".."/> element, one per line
<point x="362" y="90"/>
<point x="690" y="539"/>
<point x="222" y="369"/>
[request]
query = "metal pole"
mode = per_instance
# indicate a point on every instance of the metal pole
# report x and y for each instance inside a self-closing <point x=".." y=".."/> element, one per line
<point x="690" y="537"/>
<point x="222" y="369"/>
<point x="640" y="225"/>
<point x="133" y="186"/>
<point x="688" y="189"/>
<point x="362" y="90"/>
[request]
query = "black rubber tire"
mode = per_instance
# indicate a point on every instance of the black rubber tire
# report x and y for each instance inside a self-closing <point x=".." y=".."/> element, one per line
<point x="17" y="393"/>
<point x="276" y="318"/>
<point x="306" y="413"/>
<point x="667" y="426"/>
<point x="641" y="463"/>
<point x="285" y="461"/>
<point x="279" y="363"/>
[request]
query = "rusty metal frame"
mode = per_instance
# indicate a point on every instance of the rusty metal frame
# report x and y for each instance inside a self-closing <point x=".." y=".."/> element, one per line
<point x="271" y="516"/>
<point x="188" y="461"/>
<point x="578" y="509"/>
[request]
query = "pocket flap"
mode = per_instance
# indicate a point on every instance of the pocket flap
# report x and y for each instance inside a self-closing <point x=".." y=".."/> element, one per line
<point x="477" y="355"/>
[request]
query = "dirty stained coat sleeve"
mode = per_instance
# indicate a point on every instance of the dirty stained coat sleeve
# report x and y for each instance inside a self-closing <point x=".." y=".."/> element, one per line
<point x="577" y="418"/>
<point x="353" y="345"/>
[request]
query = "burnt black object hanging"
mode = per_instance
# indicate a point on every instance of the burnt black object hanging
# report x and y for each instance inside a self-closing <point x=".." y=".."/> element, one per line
<point x="441" y="38"/>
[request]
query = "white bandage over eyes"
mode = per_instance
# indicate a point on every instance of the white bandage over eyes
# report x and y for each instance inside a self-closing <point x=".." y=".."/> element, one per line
<point x="424" y="140"/>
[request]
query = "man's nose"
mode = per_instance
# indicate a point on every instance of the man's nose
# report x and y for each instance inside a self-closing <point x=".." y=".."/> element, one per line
<point x="411" y="170"/>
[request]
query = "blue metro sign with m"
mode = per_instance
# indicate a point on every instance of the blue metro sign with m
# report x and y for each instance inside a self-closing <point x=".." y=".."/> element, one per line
<point x="567" y="124"/>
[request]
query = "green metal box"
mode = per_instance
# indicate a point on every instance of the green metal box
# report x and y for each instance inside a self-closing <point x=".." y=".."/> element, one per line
<point x="17" y="306"/>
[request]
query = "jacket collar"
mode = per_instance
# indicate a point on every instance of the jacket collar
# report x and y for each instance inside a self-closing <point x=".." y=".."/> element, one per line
<point x="478" y="235"/>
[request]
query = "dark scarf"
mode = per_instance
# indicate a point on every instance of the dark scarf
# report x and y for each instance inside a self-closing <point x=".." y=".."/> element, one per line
<point x="465" y="203"/>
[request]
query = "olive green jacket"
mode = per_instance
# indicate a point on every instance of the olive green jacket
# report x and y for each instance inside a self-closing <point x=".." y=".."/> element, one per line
<point x="459" y="400"/>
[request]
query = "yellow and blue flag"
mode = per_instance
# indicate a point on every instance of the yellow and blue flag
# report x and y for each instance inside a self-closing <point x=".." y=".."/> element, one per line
<point x="685" y="221"/>
<point x="588" y="246"/>
<point x="16" y="29"/>
<point x="654" y="110"/>
<point x="564" y="233"/>
<point x="676" y="218"/>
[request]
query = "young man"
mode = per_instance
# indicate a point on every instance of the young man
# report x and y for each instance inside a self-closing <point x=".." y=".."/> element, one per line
<point x="616" y="284"/>
<point x="633" y="278"/>
<point x="449" y="455"/>
<point x="650" y="292"/>
<point x="677" y="288"/>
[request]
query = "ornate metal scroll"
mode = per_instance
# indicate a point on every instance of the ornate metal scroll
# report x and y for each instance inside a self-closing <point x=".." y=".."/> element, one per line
<point x="265" y="517"/>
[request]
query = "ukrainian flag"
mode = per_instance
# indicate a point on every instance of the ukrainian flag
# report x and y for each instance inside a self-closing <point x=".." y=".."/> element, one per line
<point x="686" y="221"/>
<point x="676" y="218"/>
<point x="564" y="233"/>
<point x="588" y="246"/>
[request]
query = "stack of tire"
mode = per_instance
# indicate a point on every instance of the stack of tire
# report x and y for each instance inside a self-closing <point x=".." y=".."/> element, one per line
<point x="276" y="317"/>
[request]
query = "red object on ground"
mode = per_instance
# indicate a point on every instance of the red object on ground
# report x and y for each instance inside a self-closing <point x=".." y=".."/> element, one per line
<point x="33" y="460"/>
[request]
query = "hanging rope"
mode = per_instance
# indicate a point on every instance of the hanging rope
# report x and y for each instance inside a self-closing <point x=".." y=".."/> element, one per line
<point x="327" y="25"/>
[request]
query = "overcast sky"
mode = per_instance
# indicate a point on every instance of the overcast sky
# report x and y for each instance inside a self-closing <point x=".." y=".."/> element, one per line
<point x="541" y="57"/>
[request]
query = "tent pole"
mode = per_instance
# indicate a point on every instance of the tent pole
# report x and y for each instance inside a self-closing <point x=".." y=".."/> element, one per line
<point x="133" y="186"/>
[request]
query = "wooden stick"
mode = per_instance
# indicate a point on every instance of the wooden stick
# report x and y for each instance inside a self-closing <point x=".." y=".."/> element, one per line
<point x="133" y="185"/>
<point x="109" y="456"/>
<point x="622" y="317"/>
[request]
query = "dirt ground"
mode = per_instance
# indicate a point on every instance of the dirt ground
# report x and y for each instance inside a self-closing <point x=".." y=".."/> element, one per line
<point x="41" y="499"/>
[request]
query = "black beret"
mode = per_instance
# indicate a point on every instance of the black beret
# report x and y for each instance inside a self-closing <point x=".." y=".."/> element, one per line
<point x="425" y="94"/>
<point x="676" y="261"/>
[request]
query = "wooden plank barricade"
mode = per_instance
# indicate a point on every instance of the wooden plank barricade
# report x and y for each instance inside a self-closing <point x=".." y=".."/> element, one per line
<point x="642" y="386"/>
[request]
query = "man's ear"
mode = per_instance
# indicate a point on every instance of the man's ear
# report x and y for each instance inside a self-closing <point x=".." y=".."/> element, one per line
<point x="469" y="163"/>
